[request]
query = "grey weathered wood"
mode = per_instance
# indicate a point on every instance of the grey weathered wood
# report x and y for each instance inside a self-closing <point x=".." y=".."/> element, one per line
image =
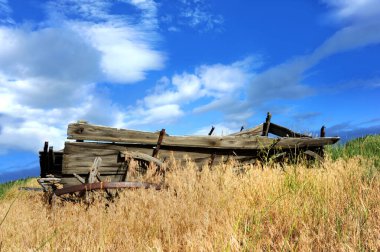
<point x="79" y="178"/>
<point x="100" y="133"/>
<point x="284" y="132"/>
<point x="80" y="155"/>
<point x="291" y="143"/>
<point x="267" y="125"/>
<point x="45" y="160"/>
<point x="211" y="130"/>
<point x="323" y="131"/>
<point x="314" y="155"/>
<point x="255" y="131"/>
<point x="94" y="170"/>
<point x="159" y="141"/>
<point x="141" y="156"/>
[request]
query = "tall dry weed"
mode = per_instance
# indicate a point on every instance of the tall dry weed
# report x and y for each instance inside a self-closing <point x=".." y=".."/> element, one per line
<point x="332" y="207"/>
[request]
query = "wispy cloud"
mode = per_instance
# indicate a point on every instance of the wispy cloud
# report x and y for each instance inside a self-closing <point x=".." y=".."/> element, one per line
<point x="196" y="14"/>
<point x="5" y="13"/>
<point x="222" y="85"/>
<point x="348" y="130"/>
<point x="287" y="80"/>
<point x="354" y="10"/>
<point x="239" y="87"/>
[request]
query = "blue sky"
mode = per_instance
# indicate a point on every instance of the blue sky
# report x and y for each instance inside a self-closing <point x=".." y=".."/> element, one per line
<point x="184" y="65"/>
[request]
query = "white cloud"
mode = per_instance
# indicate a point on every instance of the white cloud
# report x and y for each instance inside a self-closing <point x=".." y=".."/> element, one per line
<point x="163" y="114"/>
<point x="24" y="54"/>
<point x="126" y="55"/>
<point x="215" y="81"/>
<point x="286" y="80"/>
<point x="49" y="71"/>
<point x="237" y="88"/>
<point x="354" y="10"/>
<point x="185" y="88"/>
<point x="221" y="84"/>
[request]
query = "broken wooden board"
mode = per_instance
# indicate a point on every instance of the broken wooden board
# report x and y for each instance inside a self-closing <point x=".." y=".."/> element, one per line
<point x="100" y="133"/>
<point x="284" y="132"/>
<point x="79" y="156"/>
<point x="255" y="131"/>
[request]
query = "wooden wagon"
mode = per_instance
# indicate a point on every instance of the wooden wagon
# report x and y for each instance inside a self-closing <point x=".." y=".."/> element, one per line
<point x="98" y="157"/>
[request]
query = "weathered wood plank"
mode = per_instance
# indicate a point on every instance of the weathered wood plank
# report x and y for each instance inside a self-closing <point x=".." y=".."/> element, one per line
<point x="255" y="131"/>
<point x="291" y="143"/>
<point x="81" y="155"/>
<point x="78" y="150"/>
<point x="100" y="133"/>
<point x="284" y="132"/>
<point x="141" y="156"/>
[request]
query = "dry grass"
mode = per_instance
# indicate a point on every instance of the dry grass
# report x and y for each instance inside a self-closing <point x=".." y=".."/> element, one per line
<point x="335" y="207"/>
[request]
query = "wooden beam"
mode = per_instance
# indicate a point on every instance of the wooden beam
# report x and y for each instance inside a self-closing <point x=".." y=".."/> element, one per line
<point x="284" y="132"/>
<point x="291" y="143"/>
<point x="211" y="131"/>
<point x="100" y="133"/>
<point x="159" y="141"/>
<point x="266" y="125"/>
<point x="323" y="131"/>
<point x="314" y="155"/>
<point x="51" y="159"/>
<point x="44" y="160"/>
<point x="255" y="131"/>
<point x="94" y="170"/>
<point x="140" y="156"/>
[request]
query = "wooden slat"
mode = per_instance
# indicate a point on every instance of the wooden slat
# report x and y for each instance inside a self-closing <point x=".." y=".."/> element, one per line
<point x="290" y="143"/>
<point x="80" y="157"/>
<point x="284" y="132"/>
<point x="100" y="133"/>
<point x="77" y="150"/>
<point x="255" y="131"/>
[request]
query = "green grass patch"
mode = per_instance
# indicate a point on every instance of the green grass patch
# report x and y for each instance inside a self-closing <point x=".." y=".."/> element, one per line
<point x="7" y="186"/>
<point x="368" y="147"/>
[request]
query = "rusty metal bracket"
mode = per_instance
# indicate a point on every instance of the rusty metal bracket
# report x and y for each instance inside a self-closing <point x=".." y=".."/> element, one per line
<point x="105" y="185"/>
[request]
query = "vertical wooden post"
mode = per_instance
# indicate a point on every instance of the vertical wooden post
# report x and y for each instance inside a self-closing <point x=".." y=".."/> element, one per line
<point x="51" y="160"/>
<point x="323" y="131"/>
<point x="211" y="131"/>
<point x="267" y="125"/>
<point x="159" y="141"/>
<point x="322" y="134"/>
<point x="45" y="160"/>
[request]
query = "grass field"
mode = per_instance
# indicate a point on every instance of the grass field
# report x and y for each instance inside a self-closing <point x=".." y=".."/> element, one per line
<point x="330" y="207"/>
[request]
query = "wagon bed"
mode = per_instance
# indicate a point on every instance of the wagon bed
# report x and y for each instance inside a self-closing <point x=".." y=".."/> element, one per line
<point x="99" y="154"/>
